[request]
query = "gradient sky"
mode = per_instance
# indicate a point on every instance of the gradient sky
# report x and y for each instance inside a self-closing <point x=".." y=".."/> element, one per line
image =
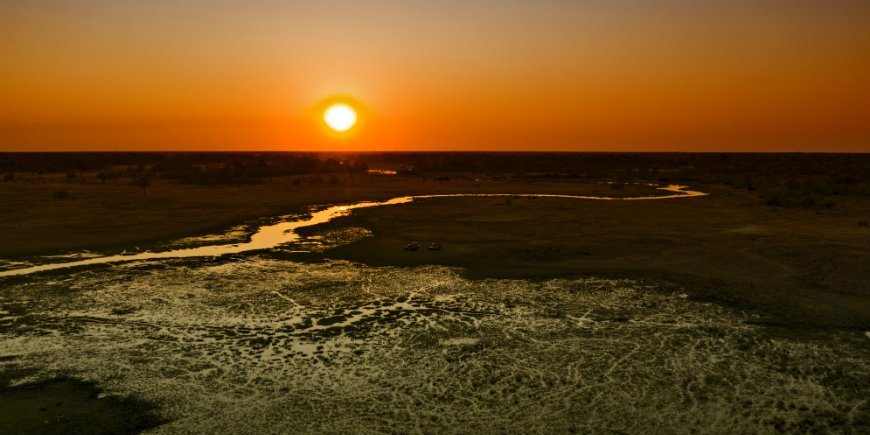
<point x="681" y="75"/>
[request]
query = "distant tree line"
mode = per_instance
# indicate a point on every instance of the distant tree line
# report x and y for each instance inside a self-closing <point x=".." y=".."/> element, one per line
<point x="786" y="180"/>
<point x="186" y="168"/>
<point x="811" y="180"/>
<point x="699" y="166"/>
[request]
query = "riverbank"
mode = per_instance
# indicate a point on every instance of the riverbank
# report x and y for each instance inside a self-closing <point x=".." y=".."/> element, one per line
<point x="799" y="267"/>
<point x="270" y="236"/>
<point x="114" y="217"/>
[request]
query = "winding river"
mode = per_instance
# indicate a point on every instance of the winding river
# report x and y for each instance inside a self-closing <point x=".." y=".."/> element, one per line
<point x="270" y="236"/>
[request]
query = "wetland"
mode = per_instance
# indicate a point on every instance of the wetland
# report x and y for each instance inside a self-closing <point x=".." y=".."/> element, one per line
<point x="545" y="311"/>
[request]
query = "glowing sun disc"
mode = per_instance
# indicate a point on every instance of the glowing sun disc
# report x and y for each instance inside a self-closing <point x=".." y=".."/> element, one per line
<point x="340" y="117"/>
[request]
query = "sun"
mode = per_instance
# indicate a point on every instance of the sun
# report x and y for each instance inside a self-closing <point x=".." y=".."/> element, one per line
<point x="340" y="117"/>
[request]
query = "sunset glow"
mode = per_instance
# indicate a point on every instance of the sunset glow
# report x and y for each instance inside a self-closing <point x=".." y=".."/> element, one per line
<point x="676" y="75"/>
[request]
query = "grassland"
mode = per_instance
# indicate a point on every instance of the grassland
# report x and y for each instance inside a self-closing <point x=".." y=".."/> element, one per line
<point x="808" y="266"/>
<point x="800" y="266"/>
<point x="805" y="265"/>
<point x="557" y="315"/>
<point x="117" y="216"/>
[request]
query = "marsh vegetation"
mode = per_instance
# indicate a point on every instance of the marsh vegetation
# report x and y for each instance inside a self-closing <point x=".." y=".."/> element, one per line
<point x="539" y="314"/>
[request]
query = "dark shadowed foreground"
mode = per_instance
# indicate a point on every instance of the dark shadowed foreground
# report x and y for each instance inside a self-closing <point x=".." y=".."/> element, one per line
<point x="62" y="405"/>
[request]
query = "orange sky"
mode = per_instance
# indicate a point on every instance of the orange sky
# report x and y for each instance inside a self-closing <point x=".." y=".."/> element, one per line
<point x="678" y="75"/>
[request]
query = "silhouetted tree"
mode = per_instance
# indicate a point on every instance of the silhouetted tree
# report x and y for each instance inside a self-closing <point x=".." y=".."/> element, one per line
<point x="103" y="176"/>
<point x="144" y="183"/>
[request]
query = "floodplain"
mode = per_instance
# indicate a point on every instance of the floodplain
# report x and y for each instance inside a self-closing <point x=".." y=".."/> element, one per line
<point x="714" y="313"/>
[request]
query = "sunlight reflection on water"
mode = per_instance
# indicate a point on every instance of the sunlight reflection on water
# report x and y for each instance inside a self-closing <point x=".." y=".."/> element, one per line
<point x="271" y="236"/>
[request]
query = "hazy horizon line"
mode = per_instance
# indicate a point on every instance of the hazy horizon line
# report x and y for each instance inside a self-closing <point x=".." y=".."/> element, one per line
<point x="249" y="151"/>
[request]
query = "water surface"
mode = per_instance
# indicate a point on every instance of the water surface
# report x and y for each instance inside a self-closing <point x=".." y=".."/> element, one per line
<point x="271" y="236"/>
